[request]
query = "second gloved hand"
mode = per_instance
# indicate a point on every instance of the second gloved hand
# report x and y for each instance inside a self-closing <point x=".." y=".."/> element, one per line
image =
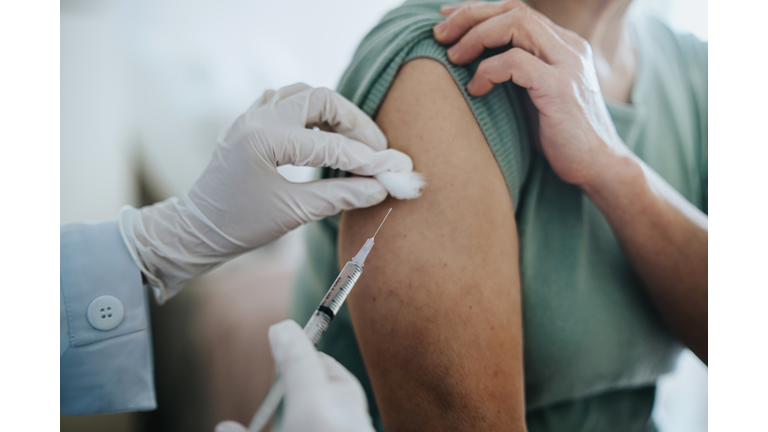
<point x="320" y="394"/>
<point x="241" y="202"/>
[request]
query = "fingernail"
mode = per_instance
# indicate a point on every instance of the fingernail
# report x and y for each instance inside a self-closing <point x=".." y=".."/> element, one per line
<point x="440" y="28"/>
<point x="452" y="52"/>
<point x="471" y="87"/>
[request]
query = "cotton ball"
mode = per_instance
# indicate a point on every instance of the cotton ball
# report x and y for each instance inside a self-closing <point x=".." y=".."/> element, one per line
<point x="402" y="185"/>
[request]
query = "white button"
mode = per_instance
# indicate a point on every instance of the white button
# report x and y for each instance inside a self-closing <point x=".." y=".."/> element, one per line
<point x="105" y="313"/>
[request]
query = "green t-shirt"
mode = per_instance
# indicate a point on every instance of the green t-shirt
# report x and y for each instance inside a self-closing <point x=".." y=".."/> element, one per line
<point x="593" y="344"/>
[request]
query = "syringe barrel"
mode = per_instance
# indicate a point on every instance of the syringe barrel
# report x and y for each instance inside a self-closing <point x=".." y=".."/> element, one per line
<point x="341" y="287"/>
<point x="334" y="298"/>
<point x="316" y="327"/>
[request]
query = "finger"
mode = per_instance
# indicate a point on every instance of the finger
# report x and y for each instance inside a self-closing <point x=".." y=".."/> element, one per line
<point x="230" y="426"/>
<point x="296" y="358"/>
<point x="322" y="198"/>
<point x="272" y="97"/>
<point x="326" y="107"/>
<point x="467" y="15"/>
<point x="517" y="65"/>
<point x="307" y="107"/>
<point x="264" y="99"/>
<point x="305" y="147"/>
<point x="449" y="9"/>
<point x="293" y="89"/>
<point x="520" y="27"/>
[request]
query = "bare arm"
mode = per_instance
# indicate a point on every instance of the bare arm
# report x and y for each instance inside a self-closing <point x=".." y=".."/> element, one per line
<point x="437" y="312"/>
<point x="665" y="238"/>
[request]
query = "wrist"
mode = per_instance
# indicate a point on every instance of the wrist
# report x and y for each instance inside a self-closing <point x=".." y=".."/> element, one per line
<point x="172" y="242"/>
<point x="130" y="222"/>
<point x="617" y="171"/>
<point x="618" y="191"/>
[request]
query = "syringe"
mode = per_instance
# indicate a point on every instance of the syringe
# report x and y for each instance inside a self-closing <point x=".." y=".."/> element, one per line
<point x="318" y="324"/>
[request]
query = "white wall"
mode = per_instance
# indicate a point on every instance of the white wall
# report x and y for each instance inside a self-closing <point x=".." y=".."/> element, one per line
<point x="96" y="125"/>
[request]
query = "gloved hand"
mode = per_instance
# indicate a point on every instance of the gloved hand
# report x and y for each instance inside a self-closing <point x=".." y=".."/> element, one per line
<point x="320" y="394"/>
<point x="241" y="202"/>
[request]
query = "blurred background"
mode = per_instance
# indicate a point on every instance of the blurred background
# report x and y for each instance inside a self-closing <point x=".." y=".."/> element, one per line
<point x="146" y="87"/>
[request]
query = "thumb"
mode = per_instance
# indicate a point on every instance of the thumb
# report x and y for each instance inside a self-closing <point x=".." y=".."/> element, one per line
<point x="297" y="360"/>
<point x="342" y="377"/>
<point x="230" y="426"/>
<point x="322" y="198"/>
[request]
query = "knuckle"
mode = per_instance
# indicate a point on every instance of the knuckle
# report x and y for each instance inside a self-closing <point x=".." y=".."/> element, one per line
<point x="483" y="69"/>
<point x="478" y="33"/>
<point x="269" y="94"/>
<point x="527" y="15"/>
<point x="582" y="45"/>
<point x="465" y="13"/>
<point x="323" y="92"/>
<point x="572" y="55"/>
<point x="518" y="17"/>
<point x="516" y="13"/>
<point x="323" y="95"/>
<point x="512" y="57"/>
<point x="516" y="53"/>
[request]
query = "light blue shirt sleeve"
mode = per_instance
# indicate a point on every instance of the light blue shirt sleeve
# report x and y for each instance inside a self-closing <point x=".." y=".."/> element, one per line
<point x="102" y="371"/>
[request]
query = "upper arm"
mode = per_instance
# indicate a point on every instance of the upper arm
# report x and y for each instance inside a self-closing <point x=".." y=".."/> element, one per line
<point x="437" y="312"/>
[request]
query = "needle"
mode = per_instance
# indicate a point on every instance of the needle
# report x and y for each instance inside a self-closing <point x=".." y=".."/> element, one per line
<point x="382" y="223"/>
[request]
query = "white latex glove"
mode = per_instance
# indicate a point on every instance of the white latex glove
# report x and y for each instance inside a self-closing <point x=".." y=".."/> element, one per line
<point x="241" y="202"/>
<point x="320" y="394"/>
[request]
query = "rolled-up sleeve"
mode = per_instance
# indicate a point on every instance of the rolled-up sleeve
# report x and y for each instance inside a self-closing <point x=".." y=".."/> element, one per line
<point x="105" y="362"/>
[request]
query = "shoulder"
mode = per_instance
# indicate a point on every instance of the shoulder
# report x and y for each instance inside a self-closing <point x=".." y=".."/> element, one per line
<point x="401" y="47"/>
<point x="426" y="88"/>
<point x="383" y="51"/>
<point x="426" y="115"/>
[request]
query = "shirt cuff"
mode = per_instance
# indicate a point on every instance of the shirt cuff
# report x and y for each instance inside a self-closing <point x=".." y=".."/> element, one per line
<point x="108" y="368"/>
